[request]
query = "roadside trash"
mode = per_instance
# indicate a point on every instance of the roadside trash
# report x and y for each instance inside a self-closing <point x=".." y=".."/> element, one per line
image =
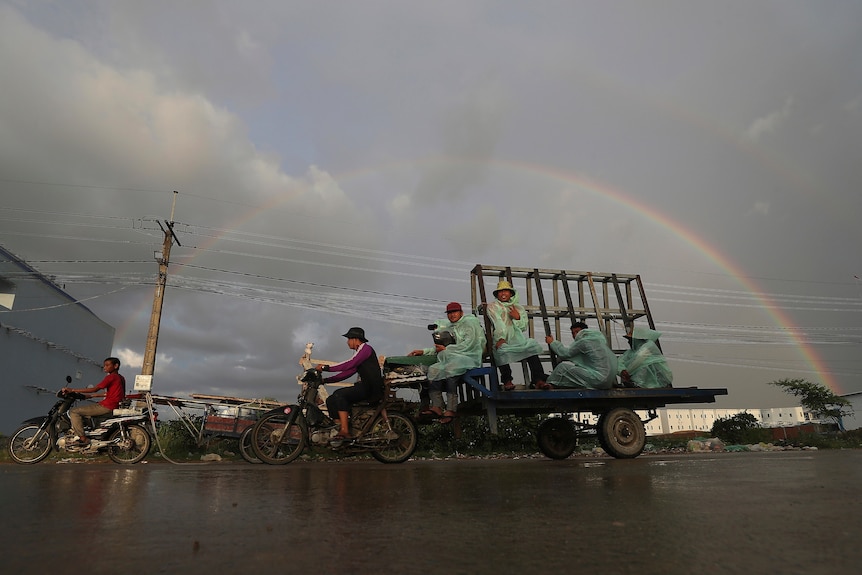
<point x="698" y="445"/>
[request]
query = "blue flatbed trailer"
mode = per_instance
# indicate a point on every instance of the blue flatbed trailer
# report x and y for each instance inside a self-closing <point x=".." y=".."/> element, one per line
<point x="553" y="298"/>
<point x="619" y="430"/>
<point x="481" y="397"/>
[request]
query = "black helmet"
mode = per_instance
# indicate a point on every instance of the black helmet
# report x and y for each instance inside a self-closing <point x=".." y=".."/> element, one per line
<point x="443" y="338"/>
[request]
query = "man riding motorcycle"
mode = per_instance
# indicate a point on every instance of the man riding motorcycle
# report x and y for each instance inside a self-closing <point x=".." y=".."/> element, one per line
<point x="114" y="385"/>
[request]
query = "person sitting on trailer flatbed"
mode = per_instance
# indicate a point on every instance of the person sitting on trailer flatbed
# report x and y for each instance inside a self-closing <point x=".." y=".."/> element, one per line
<point x="453" y="361"/>
<point x="509" y="322"/>
<point x="644" y="365"/>
<point x="588" y="361"/>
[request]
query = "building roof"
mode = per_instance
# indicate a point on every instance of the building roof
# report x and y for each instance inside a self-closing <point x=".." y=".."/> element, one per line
<point x="7" y="256"/>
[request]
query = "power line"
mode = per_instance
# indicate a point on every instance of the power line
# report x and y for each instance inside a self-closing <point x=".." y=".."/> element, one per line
<point x="62" y="214"/>
<point x="82" y="186"/>
<point x="308" y="283"/>
<point x="251" y="238"/>
<point x="382" y="256"/>
<point x="74" y="238"/>
<point x="692" y="332"/>
<point x="225" y="234"/>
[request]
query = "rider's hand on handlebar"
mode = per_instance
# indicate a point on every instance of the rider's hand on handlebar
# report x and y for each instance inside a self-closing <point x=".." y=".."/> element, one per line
<point x="320" y="367"/>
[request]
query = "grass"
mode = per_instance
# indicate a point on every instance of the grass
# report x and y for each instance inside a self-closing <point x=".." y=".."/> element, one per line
<point x="177" y="442"/>
<point x="516" y="438"/>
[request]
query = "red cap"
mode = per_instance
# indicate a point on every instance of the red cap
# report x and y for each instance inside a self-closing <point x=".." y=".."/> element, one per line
<point x="454" y="306"/>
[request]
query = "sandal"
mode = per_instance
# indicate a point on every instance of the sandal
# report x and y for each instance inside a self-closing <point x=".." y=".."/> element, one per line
<point x="544" y="385"/>
<point x="342" y="437"/>
<point x="508" y="386"/>
<point x="432" y="412"/>
<point x="448" y="417"/>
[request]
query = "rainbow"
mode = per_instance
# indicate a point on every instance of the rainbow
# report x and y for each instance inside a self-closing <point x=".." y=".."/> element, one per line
<point x="594" y="188"/>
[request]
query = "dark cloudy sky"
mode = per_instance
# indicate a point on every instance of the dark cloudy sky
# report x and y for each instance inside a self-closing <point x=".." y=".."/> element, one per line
<point x="347" y="163"/>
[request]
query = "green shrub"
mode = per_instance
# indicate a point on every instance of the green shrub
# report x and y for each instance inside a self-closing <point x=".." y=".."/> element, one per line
<point x="176" y="441"/>
<point x="515" y="435"/>
<point x="742" y="428"/>
<point x="833" y="440"/>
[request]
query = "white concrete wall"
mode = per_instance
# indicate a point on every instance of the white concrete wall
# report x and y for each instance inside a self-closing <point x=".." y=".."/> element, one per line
<point x="854" y="421"/>
<point x="673" y="420"/>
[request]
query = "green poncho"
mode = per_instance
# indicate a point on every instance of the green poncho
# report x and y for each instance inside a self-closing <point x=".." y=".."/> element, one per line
<point x="644" y="361"/>
<point x="518" y="346"/>
<point x="590" y="362"/>
<point x="463" y="355"/>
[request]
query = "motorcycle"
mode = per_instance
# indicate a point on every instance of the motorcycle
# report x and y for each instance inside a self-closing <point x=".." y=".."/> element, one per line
<point x="383" y="429"/>
<point x="122" y="434"/>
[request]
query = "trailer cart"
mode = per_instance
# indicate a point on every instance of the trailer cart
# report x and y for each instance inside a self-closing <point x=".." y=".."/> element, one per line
<point x="550" y="297"/>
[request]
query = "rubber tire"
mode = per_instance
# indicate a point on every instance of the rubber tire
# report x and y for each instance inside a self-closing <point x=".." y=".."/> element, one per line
<point x="19" y="454"/>
<point x="623" y="433"/>
<point x="557" y="438"/>
<point x="402" y="448"/>
<point x="600" y="436"/>
<point x="280" y="452"/>
<point x="141" y="448"/>
<point x="245" y="448"/>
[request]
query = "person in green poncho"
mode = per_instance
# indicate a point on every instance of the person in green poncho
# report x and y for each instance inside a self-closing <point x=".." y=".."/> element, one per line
<point x="453" y="361"/>
<point x="589" y="362"/>
<point x="509" y="320"/>
<point x="644" y="365"/>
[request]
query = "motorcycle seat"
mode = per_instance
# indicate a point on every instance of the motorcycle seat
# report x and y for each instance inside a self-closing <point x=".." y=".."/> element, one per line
<point x="372" y="402"/>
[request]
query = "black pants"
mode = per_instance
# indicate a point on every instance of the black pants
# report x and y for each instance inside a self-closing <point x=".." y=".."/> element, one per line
<point x="537" y="372"/>
<point x="342" y="399"/>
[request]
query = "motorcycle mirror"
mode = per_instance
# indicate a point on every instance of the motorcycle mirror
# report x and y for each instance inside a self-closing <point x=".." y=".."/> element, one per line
<point x="68" y="379"/>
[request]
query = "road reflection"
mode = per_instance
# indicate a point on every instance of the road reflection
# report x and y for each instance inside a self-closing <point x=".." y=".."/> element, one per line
<point x="650" y="515"/>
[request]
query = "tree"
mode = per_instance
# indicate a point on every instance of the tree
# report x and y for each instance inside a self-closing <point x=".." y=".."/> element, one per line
<point x="817" y="398"/>
<point x="736" y="429"/>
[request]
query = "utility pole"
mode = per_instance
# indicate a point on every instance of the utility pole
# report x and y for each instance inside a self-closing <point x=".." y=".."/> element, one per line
<point x="144" y="381"/>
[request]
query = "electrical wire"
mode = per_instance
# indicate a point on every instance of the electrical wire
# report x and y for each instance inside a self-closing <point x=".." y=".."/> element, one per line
<point x="409" y="309"/>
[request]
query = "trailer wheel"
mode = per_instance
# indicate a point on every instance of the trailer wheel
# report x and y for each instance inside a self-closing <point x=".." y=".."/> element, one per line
<point x="622" y="433"/>
<point x="603" y="443"/>
<point x="557" y="438"/>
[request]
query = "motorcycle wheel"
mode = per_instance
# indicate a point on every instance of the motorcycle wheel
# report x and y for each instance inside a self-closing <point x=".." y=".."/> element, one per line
<point x="403" y="440"/>
<point x="29" y="445"/>
<point x="275" y="442"/>
<point x="245" y="448"/>
<point x="134" y="450"/>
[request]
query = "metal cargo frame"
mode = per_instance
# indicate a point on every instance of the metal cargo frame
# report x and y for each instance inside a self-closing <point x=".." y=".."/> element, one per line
<point x="599" y="298"/>
<point x="553" y="299"/>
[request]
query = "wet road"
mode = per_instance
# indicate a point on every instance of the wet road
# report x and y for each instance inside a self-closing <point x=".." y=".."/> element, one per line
<point x="789" y="512"/>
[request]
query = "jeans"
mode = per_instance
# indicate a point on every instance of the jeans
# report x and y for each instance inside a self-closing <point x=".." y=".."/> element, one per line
<point x="450" y="386"/>
<point x="90" y="409"/>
